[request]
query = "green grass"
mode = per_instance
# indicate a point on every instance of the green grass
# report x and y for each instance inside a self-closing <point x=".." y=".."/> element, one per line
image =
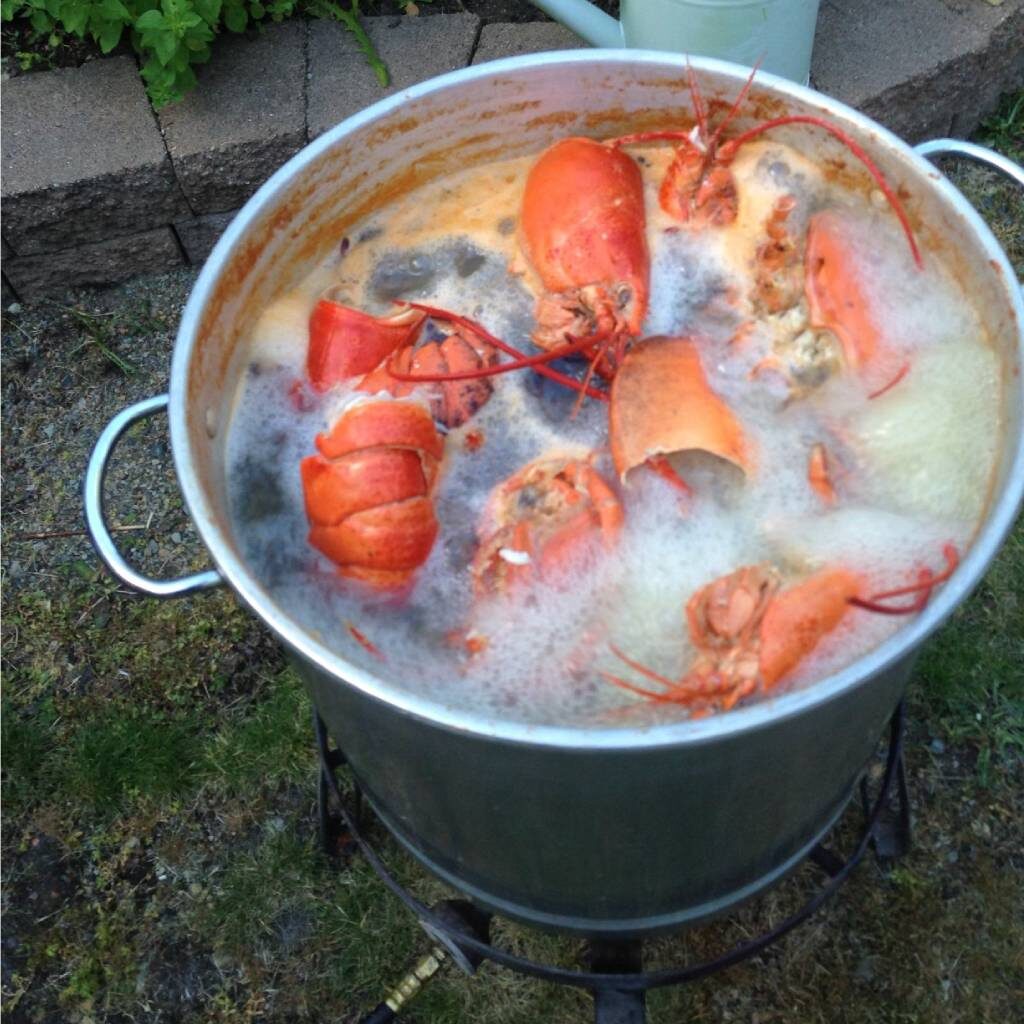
<point x="26" y="742"/>
<point x="266" y="742"/>
<point x="1004" y="130"/>
<point x="128" y="754"/>
<point x="970" y="677"/>
<point x="123" y="753"/>
<point x="259" y="891"/>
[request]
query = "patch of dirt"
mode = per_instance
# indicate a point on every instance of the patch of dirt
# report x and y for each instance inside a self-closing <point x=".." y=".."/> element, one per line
<point x="39" y="882"/>
<point x="24" y="50"/>
<point x="178" y="979"/>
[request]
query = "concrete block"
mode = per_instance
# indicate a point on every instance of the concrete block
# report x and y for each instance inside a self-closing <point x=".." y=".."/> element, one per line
<point x="100" y="263"/>
<point x="7" y="293"/>
<point x="82" y="158"/>
<point x="923" y="68"/>
<point x="243" y="121"/>
<point x="198" y="235"/>
<point x="510" y="40"/>
<point x="414" y="49"/>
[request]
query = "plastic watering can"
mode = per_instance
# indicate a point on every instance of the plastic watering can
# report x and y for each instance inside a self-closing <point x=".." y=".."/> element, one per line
<point x="778" y="32"/>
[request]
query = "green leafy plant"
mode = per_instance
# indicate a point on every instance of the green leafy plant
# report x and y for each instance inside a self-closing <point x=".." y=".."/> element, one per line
<point x="171" y="36"/>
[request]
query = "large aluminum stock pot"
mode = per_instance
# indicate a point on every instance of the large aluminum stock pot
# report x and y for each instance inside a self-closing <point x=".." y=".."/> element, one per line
<point x="605" y="831"/>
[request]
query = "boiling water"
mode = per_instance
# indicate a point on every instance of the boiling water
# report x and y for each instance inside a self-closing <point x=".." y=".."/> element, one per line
<point x="918" y="459"/>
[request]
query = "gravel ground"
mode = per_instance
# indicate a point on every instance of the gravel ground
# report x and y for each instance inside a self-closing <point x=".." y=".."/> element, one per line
<point x="158" y="772"/>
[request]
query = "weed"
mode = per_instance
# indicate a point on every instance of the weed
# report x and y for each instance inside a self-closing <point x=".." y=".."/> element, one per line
<point x="1004" y="130"/>
<point x="103" y="969"/>
<point x="349" y="17"/>
<point x="28" y="60"/>
<point x="98" y="332"/>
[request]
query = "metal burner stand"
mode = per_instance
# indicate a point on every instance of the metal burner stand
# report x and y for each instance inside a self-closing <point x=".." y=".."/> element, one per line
<point x="616" y="978"/>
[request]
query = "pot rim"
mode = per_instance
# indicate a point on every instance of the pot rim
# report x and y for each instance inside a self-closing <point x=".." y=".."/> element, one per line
<point x="687" y="732"/>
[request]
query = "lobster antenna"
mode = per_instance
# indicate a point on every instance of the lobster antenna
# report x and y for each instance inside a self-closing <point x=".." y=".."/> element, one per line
<point x="736" y="105"/>
<point x="493" y="371"/>
<point x="730" y="148"/>
<point x="667" y="136"/>
<point x="699" y="110"/>
<point x="633" y="688"/>
<point x="588" y="377"/>
<point x="646" y="672"/>
<point x="952" y="561"/>
<point x="927" y="582"/>
<point x="481" y="332"/>
<point x="901" y="373"/>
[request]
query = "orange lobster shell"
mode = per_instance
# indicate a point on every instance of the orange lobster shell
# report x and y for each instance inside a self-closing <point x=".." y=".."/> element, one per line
<point x="452" y="402"/>
<point x="749" y="635"/>
<point x="835" y="293"/>
<point x="661" y="403"/>
<point x="368" y="493"/>
<point x="694" y="192"/>
<point x="583" y="231"/>
<point x="344" y="342"/>
<point x="538" y="521"/>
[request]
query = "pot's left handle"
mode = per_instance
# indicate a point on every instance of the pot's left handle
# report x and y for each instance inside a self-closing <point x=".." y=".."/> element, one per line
<point x="97" y="524"/>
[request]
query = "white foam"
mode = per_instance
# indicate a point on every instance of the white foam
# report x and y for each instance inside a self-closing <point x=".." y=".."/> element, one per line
<point x="930" y="443"/>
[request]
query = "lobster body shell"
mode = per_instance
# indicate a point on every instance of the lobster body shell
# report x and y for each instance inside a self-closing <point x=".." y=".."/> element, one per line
<point x="800" y="617"/>
<point x="452" y="402"/>
<point x="368" y="491"/>
<point x="698" y="191"/>
<point x="836" y="296"/>
<point x="583" y="231"/>
<point x="749" y="635"/>
<point x="547" y="514"/>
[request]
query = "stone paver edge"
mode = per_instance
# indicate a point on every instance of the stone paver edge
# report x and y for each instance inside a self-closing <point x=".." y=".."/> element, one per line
<point x="38" y="270"/>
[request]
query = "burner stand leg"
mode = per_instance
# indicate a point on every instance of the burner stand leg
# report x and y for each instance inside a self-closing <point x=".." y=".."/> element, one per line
<point x="892" y="833"/>
<point x="335" y="840"/>
<point x="613" y="1006"/>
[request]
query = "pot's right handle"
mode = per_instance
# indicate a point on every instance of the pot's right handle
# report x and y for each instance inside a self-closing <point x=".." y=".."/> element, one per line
<point x="972" y="151"/>
<point x="97" y="524"/>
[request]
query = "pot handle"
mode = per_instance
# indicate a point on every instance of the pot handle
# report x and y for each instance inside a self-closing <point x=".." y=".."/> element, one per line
<point x="972" y="151"/>
<point x="97" y="525"/>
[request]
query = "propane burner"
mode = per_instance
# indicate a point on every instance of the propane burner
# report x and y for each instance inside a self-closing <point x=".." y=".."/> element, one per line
<point x="616" y="979"/>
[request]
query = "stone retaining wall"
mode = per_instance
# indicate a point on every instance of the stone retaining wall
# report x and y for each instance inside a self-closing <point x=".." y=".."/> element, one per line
<point x="98" y="188"/>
